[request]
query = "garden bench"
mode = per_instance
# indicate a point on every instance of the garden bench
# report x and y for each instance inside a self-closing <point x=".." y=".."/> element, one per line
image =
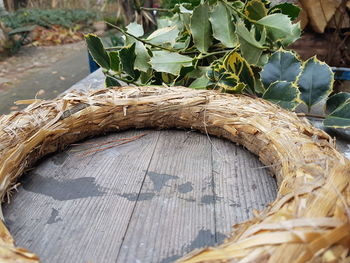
<point x="153" y="199"/>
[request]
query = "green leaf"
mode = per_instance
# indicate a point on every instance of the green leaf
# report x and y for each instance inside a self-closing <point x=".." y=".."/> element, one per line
<point x="135" y="29"/>
<point x="222" y="24"/>
<point x="259" y="87"/>
<point x="169" y="62"/>
<point x="127" y="58"/>
<point x="283" y="93"/>
<point x="282" y="65"/>
<point x="315" y="81"/>
<point x="111" y="82"/>
<point x="336" y="101"/>
<point x="278" y="26"/>
<point x="295" y="35"/>
<point x="164" y="22"/>
<point x="201" y="28"/>
<point x="255" y="10"/>
<point x="146" y="77"/>
<point x="141" y="52"/>
<point x="200" y="83"/>
<point x="114" y="60"/>
<point x="97" y="51"/>
<point x="164" y="35"/>
<point x="340" y="118"/>
<point x="287" y="9"/>
<point x="236" y="64"/>
<point x="250" y="47"/>
<point x="198" y="72"/>
<point x="142" y="56"/>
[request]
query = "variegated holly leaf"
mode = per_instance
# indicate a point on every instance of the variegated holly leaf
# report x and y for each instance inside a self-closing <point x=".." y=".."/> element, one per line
<point x="97" y="51"/>
<point x="224" y="80"/>
<point x="315" y="82"/>
<point x="283" y="93"/>
<point x="336" y="101"/>
<point x="237" y="65"/>
<point x="340" y="118"/>
<point x="282" y="66"/>
<point x="255" y="10"/>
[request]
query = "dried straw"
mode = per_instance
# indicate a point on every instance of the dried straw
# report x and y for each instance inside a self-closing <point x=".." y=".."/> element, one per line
<point x="308" y="221"/>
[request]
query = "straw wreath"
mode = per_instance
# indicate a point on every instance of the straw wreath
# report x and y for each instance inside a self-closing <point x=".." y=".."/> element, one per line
<point x="308" y="221"/>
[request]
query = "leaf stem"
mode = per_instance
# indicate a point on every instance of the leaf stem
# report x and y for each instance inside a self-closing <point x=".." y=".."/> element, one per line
<point x="156" y="9"/>
<point x="237" y="11"/>
<point x="311" y="115"/>
<point x="213" y="53"/>
<point x="139" y="39"/>
<point x="113" y="48"/>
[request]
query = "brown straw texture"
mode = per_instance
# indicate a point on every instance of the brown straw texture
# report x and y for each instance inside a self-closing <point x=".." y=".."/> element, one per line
<point x="308" y="221"/>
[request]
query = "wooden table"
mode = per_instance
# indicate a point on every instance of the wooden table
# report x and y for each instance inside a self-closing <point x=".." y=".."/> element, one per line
<point x="150" y="200"/>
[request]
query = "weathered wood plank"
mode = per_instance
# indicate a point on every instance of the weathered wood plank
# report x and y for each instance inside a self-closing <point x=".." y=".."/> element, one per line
<point x="73" y="208"/>
<point x="152" y="200"/>
<point x="180" y="215"/>
<point x="241" y="184"/>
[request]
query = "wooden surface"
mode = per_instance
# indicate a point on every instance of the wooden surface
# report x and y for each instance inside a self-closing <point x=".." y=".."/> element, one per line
<point x="150" y="200"/>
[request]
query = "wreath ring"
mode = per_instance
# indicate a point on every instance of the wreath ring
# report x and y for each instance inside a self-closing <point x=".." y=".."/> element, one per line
<point x="308" y="221"/>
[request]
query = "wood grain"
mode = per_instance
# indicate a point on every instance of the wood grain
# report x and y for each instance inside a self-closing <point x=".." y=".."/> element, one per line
<point x="64" y="210"/>
<point x="119" y="205"/>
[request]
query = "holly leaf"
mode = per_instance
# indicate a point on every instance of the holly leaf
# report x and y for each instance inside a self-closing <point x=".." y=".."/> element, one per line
<point x="114" y="60"/>
<point x="97" y="50"/>
<point x="236" y="64"/>
<point x="200" y="83"/>
<point x="169" y="62"/>
<point x="295" y="35"/>
<point x="278" y="26"/>
<point x="283" y="93"/>
<point x="340" y="118"/>
<point x="255" y="10"/>
<point x="315" y="82"/>
<point x="164" y="35"/>
<point x="222" y="25"/>
<point x="336" y="101"/>
<point x="127" y="58"/>
<point x="287" y="9"/>
<point x="201" y="28"/>
<point x="111" y="82"/>
<point x="251" y="48"/>
<point x="282" y="66"/>
<point x="135" y="29"/>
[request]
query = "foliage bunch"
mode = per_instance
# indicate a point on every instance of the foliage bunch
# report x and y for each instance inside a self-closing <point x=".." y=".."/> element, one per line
<point x="63" y="17"/>
<point x="224" y="45"/>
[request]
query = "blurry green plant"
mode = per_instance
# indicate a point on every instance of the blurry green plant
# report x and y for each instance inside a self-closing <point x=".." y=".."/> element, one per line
<point x="172" y="3"/>
<point x="229" y="46"/>
<point x="63" y="17"/>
